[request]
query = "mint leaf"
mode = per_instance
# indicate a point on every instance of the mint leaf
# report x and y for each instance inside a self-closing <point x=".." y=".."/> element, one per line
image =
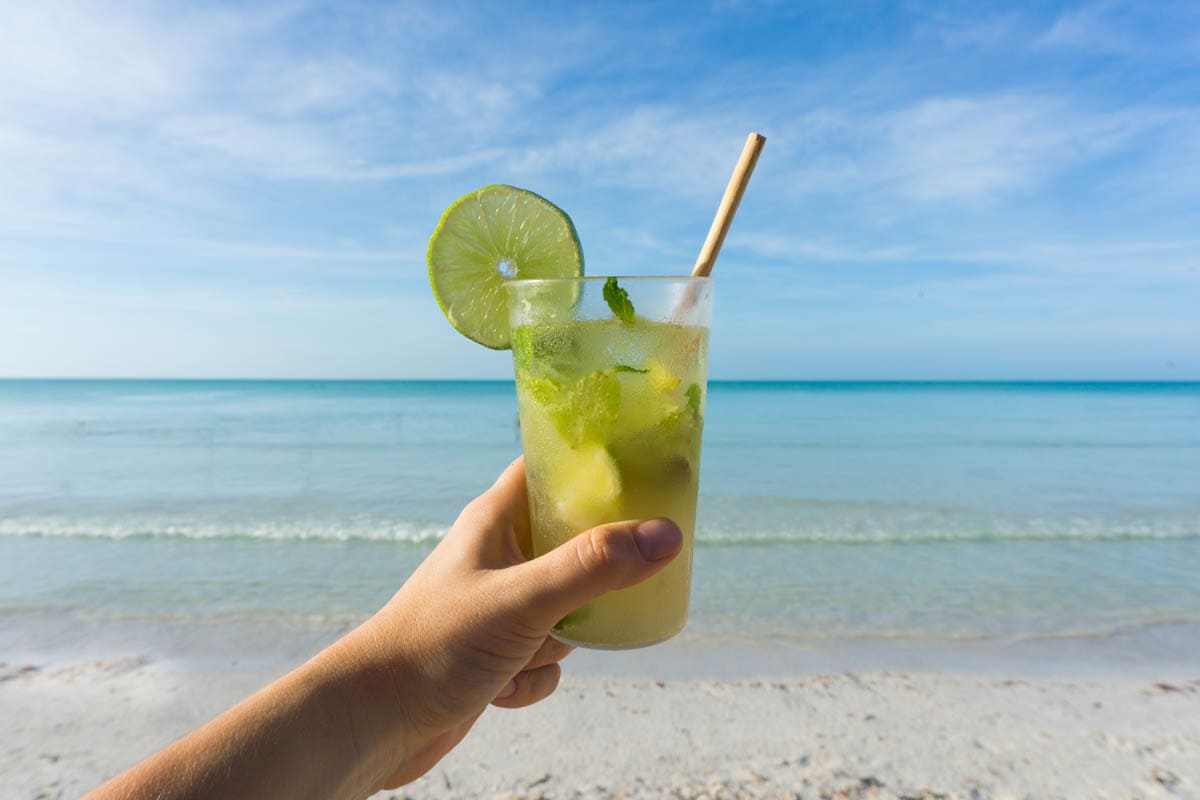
<point x="542" y="389"/>
<point x="618" y="300"/>
<point x="693" y="398"/>
<point x="587" y="409"/>
<point x="522" y="347"/>
<point x="627" y="368"/>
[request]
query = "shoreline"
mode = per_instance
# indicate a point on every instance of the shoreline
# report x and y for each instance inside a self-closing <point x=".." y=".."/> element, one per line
<point x="818" y="382"/>
<point x="1168" y="650"/>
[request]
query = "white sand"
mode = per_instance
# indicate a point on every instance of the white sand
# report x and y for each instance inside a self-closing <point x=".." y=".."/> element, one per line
<point x="872" y="735"/>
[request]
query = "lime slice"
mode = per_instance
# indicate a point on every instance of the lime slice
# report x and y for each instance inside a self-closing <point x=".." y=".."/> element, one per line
<point x="663" y="380"/>
<point x="487" y="236"/>
<point x="586" y="486"/>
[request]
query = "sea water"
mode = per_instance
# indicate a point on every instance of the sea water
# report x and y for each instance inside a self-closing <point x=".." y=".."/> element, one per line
<point x="910" y="511"/>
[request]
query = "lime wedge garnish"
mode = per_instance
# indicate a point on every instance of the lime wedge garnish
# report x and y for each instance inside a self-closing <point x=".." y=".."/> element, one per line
<point x="487" y="236"/>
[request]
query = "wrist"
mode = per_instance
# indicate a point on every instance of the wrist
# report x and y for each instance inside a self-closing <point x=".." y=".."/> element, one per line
<point x="366" y="708"/>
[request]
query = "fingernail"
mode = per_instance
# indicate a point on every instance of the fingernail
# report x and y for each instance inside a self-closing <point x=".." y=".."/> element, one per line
<point x="657" y="538"/>
<point x="509" y="690"/>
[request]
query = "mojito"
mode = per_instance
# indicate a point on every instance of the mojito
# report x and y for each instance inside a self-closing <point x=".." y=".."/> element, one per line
<point x="611" y="399"/>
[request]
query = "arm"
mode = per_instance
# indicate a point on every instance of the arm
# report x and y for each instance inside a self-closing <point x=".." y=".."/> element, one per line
<point x="382" y="705"/>
<point x="294" y="738"/>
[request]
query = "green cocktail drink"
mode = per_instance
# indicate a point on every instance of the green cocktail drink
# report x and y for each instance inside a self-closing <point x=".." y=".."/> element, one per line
<point x="610" y="377"/>
<point x="611" y="391"/>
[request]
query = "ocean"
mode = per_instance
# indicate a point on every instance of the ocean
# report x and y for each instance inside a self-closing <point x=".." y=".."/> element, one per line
<point x="939" y="512"/>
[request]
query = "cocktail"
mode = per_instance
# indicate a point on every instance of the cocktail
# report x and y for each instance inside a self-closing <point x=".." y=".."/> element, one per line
<point x="610" y="381"/>
<point x="610" y="377"/>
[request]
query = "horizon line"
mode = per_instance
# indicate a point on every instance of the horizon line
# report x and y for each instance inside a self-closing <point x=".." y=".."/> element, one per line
<point x="164" y="379"/>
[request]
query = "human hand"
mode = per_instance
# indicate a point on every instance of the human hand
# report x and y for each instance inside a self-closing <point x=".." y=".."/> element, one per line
<point x="384" y="703"/>
<point x="470" y="626"/>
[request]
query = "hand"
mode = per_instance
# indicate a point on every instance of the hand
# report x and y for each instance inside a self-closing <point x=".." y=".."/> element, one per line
<point x="382" y="705"/>
<point x="470" y="626"/>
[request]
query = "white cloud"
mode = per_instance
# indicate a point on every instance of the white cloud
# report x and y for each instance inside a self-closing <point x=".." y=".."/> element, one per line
<point x="972" y="149"/>
<point x="473" y="98"/>
<point x="101" y="187"/>
<point x="974" y="31"/>
<point x="113" y="114"/>
<point x="1141" y="262"/>
<point x="774" y="245"/>
<point x="122" y="60"/>
<point x="286" y="86"/>
<point x="216" y="95"/>
<point x="658" y="147"/>
<point x="1089" y="28"/>
<point x="304" y="150"/>
<point x="1162" y="31"/>
<point x="67" y="57"/>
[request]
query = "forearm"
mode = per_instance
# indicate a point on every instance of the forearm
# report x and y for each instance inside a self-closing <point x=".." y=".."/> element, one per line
<point x="317" y="732"/>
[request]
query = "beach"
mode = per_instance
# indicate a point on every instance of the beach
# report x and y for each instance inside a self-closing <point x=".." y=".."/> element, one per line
<point x="900" y="590"/>
<point x="905" y="296"/>
<point x="672" y="721"/>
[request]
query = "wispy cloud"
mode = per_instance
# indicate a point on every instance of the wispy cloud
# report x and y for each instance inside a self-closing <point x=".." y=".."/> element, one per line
<point x="301" y="150"/>
<point x="1091" y="27"/>
<point x="968" y="149"/>
<point x="973" y="31"/>
<point x="144" y="105"/>
<point x="1127" y="28"/>
<point x="658" y="147"/>
<point x="974" y="149"/>
<point x="1132" y="261"/>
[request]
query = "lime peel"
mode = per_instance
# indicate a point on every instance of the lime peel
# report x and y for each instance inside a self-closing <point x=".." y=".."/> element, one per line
<point x="487" y="237"/>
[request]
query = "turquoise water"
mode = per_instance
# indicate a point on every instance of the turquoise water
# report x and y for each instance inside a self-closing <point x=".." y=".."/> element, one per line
<point x="954" y="511"/>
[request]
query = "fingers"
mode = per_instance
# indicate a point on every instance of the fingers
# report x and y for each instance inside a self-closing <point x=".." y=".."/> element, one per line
<point x="511" y="493"/>
<point x="511" y="482"/>
<point x="594" y="562"/>
<point x="539" y="677"/>
<point x="529" y="686"/>
<point x="551" y="652"/>
<point x="493" y="530"/>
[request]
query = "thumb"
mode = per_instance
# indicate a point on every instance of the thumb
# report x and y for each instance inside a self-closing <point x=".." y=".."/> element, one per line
<point x="596" y="561"/>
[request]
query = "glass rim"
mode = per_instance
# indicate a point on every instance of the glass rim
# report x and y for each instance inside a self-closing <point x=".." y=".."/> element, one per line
<point x="629" y="278"/>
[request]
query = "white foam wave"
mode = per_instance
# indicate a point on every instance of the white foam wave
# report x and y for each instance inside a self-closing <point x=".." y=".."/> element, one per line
<point x="275" y="530"/>
<point x="382" y="530"/>
<point x="1098" y="532"/>
<point x="838" y="523"/>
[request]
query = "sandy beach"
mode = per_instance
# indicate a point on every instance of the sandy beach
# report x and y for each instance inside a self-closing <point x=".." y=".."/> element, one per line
<point x="674" y="721"/>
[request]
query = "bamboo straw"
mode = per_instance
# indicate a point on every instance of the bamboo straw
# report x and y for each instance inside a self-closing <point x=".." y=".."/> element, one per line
<point x="729" y="205"/>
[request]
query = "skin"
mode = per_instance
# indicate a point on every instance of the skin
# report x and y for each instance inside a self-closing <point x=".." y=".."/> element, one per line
<point x="381" y="706"/>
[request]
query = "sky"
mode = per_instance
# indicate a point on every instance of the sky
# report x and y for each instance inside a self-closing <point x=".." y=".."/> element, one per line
<point x="948" y="190"/>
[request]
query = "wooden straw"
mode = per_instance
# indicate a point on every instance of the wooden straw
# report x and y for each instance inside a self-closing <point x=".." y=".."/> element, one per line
<point x="729" y="205"/>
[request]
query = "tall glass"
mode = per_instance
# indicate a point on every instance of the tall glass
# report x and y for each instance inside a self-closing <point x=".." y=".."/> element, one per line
<point x="611" y="389"/>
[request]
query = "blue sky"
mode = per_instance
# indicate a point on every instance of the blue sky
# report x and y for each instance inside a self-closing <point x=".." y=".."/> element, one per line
<point x="948" y="190"/>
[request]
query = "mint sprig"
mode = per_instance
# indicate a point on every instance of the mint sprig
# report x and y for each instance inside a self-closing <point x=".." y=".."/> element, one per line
<point x="618" y="300"/>
<point x="693" y="399"/>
